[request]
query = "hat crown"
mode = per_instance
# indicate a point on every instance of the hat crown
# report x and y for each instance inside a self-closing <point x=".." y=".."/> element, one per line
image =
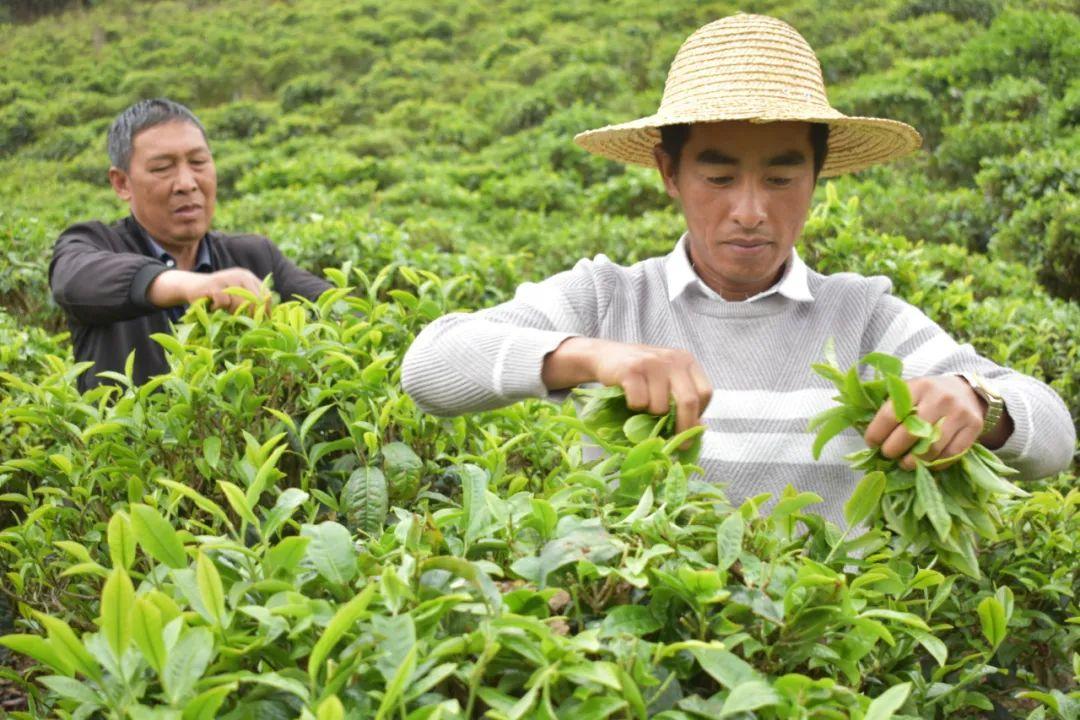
<point x="746" y="60"/>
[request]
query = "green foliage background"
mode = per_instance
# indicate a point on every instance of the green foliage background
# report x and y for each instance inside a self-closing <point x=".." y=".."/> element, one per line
<point x="378" y="137"/>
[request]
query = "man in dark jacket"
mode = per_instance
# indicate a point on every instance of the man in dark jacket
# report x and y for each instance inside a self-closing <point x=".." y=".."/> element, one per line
<point x="121" y="283"/>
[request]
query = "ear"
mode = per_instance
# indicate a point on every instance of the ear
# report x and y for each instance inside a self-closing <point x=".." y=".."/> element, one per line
<point x="121" y="183"/>
<point x="666" y="166"/>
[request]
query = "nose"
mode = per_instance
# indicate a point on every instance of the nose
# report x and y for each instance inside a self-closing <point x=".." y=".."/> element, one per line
<point x="748" y="206"/>
<point x="185" y="179"/>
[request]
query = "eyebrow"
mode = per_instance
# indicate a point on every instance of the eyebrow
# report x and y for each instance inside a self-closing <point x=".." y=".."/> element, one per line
<point x="171" y="155"/>
<point x="784" y="159"/>
<point x="715" y="157"/>
<point x="791" y="157"/>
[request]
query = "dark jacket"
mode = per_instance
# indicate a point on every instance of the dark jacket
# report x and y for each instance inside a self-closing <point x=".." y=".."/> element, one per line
<point x="100" y="273"/>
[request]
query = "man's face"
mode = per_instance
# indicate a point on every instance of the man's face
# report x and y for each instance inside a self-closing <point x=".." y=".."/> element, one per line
<point x="745" y="191"/>
<point x="171" y="185"/>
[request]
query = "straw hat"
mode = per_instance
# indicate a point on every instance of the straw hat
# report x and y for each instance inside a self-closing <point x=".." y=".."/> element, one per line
<point x="756" y="68"/>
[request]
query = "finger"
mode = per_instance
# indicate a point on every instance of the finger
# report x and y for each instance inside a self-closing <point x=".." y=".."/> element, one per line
<point x="687" y="407"/>
<point x="960" y="443"/>
<point x="636" y="391"/>
<point x="948" y="432"/>
<point x="702" y="385"/>
<point x="218" y="300"/>
<point x="898" y="442"/>
<point x="882" y="426"/>
<point x="659" y="392"/>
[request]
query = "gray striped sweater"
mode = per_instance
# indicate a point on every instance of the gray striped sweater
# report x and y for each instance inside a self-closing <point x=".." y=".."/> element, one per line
<point x="757" y="354"/>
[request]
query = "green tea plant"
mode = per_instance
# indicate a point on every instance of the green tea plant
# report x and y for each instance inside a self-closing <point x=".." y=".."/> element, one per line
<point x="944" y="504"/>
<point x="332" y="552"/>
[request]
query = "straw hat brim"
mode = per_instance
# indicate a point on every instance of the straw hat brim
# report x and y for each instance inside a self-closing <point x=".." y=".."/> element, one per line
<point x="855" y="143"/>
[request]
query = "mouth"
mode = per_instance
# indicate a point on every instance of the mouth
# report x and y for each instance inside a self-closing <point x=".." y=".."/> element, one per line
<point x="747" y="244"/>
<point x="188" y="211"/>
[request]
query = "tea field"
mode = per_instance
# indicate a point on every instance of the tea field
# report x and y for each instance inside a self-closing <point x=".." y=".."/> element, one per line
<point x="274" y="530"/>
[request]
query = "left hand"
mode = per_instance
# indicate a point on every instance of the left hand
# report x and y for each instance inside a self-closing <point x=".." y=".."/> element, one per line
<point x="941" y="396"/>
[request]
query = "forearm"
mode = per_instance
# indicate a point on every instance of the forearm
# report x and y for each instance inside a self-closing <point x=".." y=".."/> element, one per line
<point x="170" y="289"/>
<point x="466" y="363"/>
<point x="571" y="364"/>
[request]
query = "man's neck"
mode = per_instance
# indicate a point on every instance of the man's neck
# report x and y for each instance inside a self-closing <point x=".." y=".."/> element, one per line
<point x="184" y="255"/>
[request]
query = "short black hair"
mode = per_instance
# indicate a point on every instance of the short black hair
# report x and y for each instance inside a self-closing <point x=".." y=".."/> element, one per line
<point x="674" y="137"/>
<point x="140" y="116"/>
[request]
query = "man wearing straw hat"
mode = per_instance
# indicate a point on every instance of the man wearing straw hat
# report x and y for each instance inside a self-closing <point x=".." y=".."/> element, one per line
<point x="728" y="324"/>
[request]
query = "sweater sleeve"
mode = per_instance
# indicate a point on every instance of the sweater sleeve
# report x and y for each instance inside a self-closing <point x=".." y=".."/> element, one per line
<point x="466" y="362"/>
<point x="291" y="280"/>
<point x="1043" y="438"/>
<point x="97" y="285"/>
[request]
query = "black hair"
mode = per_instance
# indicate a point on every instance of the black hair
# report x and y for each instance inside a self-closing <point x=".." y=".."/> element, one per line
<point x="674" y="137"/>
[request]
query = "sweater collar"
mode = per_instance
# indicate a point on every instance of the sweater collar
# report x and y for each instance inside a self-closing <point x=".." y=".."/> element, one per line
<point x="681" y="275"/>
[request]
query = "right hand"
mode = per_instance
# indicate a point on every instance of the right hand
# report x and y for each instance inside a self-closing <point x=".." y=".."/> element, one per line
<point x="650" y="376"/>
<point x="177" y="287"/>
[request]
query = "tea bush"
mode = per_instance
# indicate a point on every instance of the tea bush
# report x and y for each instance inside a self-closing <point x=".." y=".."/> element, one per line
<point x="272" y="529"/>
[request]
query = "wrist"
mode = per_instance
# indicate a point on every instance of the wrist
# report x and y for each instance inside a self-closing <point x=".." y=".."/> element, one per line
<point x="169" y="289"/>
<point x="997" y="424"/>
<point x="570" y="364"/>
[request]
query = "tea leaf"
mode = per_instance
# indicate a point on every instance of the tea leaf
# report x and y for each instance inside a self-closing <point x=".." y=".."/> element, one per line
<point x="39" y="649"/>
<point x="928" y="493"/>
<point x="729" y="540"/>
<point x="396" y="686"/>
<point x="73" y="690"/>
<point x="724" y="666"/>
<point x="330" y="709"/>
<point x="343" y="620"/>
<point x="146" y="631"/>
<point x="900" y="395"/>
<point x="993" y="621"/>
<point x="331" y="551"/>
<point x="157" y="537"/>
<point x="63" y="638"/>
<point x="747" y="696"/>
<point x="887" y="703"/>
<point x="828" y="430"/>
<point x="211" y="590"/>
<point x="117" y="604"/>
<point x="865" y="499"/>
<point x="187" y="662"/>
<point x="635" y="620"/>
<point x="238" y="502"/>
<point x="212" y="451"/>
<point x="473" y="491"/>
<point x="121" y="541"/>
<point x="365" y="501"/>
<point x="205" y="705"/>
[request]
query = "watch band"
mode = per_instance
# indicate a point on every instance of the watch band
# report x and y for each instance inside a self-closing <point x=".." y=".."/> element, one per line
<point x="995" y="404"/>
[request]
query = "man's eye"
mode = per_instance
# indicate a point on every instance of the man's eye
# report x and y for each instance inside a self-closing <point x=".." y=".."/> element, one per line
<point x="163" y="168"/>
<point x="720" y="179"/>
<point x="780" y="181"/>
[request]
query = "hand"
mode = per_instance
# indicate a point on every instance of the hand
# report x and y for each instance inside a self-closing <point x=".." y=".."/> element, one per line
<point x="946" y="397"/>
<point x="650" y="376"/>
<point x="178" y="287"/>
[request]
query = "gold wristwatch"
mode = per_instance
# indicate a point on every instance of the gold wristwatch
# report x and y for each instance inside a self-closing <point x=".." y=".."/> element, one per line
<point x="995" y="404"/>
